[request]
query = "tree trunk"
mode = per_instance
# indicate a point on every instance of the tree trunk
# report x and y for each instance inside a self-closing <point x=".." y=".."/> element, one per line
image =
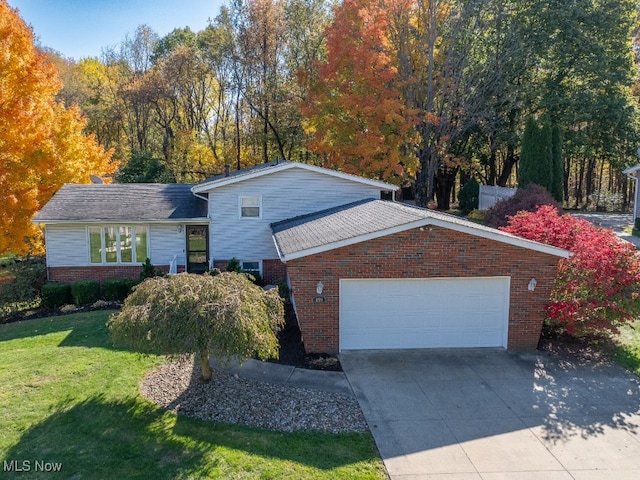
<point x="445" y="181"/>
<point x="509" y="163"/>
<point x="422" y="182"/>
<point x="491" y="180"/>
<point x="207" y="372"/>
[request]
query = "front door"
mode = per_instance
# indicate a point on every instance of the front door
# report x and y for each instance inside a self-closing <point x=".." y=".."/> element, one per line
<point x="197" y="248"/>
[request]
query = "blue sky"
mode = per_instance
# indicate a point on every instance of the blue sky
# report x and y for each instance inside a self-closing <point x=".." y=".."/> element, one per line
<point x="81" y="28"/>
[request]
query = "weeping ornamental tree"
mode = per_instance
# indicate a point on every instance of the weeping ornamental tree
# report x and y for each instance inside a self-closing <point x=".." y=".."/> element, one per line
<point x="225" y="316"/>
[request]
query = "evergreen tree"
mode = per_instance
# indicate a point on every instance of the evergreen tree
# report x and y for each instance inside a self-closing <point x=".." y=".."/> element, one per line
<point x="526" y="172"/>
<point x="558" y="164"/>
<point x="545" y="161"/>
<point x="535" y="158"/>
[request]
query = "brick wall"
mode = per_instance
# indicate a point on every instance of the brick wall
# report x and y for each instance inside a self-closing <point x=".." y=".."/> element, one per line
<point x="99" y="272"/>
<point x="433" y="252"/>
<point x="273" y="270"/>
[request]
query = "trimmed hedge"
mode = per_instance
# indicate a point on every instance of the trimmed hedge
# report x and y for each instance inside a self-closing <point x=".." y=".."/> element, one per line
<point x="85" y="292"/>
<point x="117" y="289"/>
<point x="56" y="294"/>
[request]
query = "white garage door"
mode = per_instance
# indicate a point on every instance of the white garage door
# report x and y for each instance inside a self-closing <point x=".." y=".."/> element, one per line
<point x="424" y="313"/>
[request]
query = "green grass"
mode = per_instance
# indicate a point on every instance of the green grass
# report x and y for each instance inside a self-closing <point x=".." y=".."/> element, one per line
<point x="67" y="396"/>
<point x="627" y="349"/>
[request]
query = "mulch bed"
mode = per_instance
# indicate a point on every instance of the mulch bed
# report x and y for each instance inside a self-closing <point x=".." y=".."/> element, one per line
<point x="589" y="349"/>
<point x="292" y="348"/>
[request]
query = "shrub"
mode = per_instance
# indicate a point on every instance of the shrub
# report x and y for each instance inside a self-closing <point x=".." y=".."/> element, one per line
<point x="468" y="196"/>
<point x="55" y="294"/>
<point x="607" y="201"/>
<point x="477" y="216"/>
<point x="526" y="199"/>
<point x="117" y="289"/>
<point x="233" y="265"/>
<point x="149" y="271"/>
<point x="85" y="292"/>
<point x="254" y="277"/>
<point x="283" y="289"/>
<point x="27" y="276"/>
<point x="598" y="288"/>
<point x="99" y="304"/>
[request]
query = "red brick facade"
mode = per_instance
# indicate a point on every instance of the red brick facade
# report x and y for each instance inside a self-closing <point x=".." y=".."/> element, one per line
<point x="99" y="272"/>
<point x="272" y="270"/>
<point x="433" y="252"/>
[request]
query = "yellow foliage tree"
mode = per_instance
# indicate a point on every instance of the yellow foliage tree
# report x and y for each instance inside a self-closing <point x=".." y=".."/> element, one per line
<point x="42" y="145"/>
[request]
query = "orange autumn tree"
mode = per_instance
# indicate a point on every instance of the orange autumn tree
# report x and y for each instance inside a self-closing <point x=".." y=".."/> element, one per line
<point x="354" y="113"/>
<point x="41" y="143"/>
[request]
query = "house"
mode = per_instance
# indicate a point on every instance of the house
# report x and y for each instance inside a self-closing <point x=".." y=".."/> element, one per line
<point x="632" y="173"/>
<point x="365" y="273"/>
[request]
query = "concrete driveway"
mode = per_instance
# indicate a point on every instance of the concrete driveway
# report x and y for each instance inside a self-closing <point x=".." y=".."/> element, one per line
<point x="489" y="414"/>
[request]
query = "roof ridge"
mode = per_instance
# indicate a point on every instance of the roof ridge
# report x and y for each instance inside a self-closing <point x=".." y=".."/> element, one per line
<point x="243" y="171"/>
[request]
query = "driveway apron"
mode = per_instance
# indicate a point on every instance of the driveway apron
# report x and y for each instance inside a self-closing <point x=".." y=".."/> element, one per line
<point x="491" y="414"/>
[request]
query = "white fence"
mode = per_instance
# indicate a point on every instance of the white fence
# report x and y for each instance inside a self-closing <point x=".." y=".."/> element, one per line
<point x="489" y="195"/>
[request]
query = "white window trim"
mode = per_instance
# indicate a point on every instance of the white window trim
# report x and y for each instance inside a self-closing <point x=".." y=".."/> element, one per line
<point x="118" y="254"/>
<point x="259" y="262"/>
<point x="240" y="198"/>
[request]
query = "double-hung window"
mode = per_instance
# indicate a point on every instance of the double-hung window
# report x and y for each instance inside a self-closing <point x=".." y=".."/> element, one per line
<point x="118" y="244"/>
<point x="250" y="207"/>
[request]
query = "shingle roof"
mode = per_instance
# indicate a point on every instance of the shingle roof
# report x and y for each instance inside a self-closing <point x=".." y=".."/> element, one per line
<point x="122" y="202"/>
<point x="245" y="171"/>
<point x="355" y="222"/>
<point x="281" y="165"/>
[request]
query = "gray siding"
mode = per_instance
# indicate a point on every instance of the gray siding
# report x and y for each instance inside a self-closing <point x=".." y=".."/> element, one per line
<point x="164" y="242"/>
<point x="67" y="245"/>
<point x="284" y="195"/>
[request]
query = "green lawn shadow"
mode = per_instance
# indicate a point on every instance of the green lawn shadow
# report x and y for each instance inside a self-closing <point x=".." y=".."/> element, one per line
<point x="134" y="439"/>
<point x="86" y="329"/>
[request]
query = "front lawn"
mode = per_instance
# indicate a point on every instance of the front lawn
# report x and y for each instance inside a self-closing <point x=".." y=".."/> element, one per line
<point x="68" y="397"/>
<point x="627" y="347"/>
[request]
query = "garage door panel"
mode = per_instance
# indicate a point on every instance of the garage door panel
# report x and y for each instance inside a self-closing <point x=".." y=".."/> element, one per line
<point x="423" y="313"/>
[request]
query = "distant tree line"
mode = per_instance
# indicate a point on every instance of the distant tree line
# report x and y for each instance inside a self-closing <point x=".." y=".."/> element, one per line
<point x="426" y="91"/>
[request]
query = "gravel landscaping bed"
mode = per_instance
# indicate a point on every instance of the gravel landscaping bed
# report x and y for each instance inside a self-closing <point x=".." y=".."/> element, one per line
<point x="228" y="398"/>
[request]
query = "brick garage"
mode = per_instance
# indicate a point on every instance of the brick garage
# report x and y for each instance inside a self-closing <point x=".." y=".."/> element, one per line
<point x="428" y="251"/>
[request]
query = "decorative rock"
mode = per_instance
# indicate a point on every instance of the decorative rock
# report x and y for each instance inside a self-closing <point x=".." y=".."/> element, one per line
<point x="228" y="398"/>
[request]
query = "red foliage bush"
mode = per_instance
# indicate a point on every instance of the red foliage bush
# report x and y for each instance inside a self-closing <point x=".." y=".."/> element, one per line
<point x="598" y="288"/>
<point x="528" y="199"/>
